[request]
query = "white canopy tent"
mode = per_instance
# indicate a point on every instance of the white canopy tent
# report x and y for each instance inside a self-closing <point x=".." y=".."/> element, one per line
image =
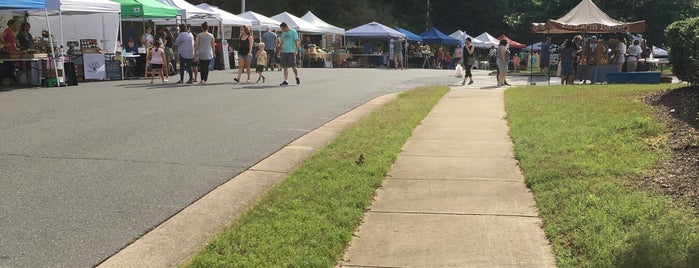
<point x="189" y="11"/>
<point x="297" y="23"/>
<point x="461" y="35"/>
<point x="260" y="22"/>
<point x="326" y="27"/>
<point x="228" y="20"/>
<point x="79" y="19"/>
<point x="488" y="40"/>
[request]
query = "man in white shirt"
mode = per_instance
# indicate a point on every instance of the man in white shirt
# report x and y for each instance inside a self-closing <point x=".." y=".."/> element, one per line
<point x="185" y="48"/>
<point x="634" y="54"/>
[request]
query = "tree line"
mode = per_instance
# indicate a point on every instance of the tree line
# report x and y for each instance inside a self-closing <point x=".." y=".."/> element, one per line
<point x="511" y="17"/>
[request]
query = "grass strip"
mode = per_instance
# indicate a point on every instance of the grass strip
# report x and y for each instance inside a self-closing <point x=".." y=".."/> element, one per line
<point x="308" y="219"/>
<point x="580" y="149"/>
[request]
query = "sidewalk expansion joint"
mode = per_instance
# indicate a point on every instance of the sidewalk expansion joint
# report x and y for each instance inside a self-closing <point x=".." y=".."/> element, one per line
<point x="476" y="140"/>
<point x="112" y="160"/>
<point x="457" y="180"/>
<point x="456" y="156"/>
<point x="368" y="266"/>
<point x="453" y="213"/>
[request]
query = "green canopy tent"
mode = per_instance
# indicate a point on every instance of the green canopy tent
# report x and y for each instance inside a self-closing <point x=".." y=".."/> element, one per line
<point x="146" y="9"/>
<point x="132" y="10"/>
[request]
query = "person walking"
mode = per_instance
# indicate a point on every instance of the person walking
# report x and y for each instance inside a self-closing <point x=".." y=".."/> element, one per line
<point x="204" y="47"/>
<point x="458" y="55"/>
<point x="157" y="58"/>
<point x="270" y="40"/>
<point x="244" y="52"/>
<point x="545" y="55"/>
<point x="469" y="60"/>
<point x="568" y="52"/>
<point x="398" y="53"/>
<point x="290" y="46"/>
<point x="261" y="58"/>
<point x="503" y="60"/>
<point x="185" y="49"/>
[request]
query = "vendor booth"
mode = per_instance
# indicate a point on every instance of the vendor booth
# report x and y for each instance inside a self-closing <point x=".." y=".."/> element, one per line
<point x="66" y="20"/>
<point x="587" y="18"/>
<point x="313" y="55"/>
<point x="372" y="56"/>
<point x="140" y="10"/>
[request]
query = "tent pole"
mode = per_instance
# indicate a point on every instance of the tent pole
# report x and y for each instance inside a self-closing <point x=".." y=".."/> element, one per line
<point x="548" y="36"/>
<point x="53" y="49"/>
<point x="121" y="37"/>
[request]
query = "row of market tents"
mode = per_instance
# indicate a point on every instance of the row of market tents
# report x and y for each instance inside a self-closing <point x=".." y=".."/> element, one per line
<point x="88" y="19"/>
<point x="101" y="19"/>
<point x="432" y="36"/>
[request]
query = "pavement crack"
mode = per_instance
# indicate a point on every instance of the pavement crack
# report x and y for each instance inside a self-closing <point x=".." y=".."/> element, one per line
<point x="453" y="213"/>
<point x="111" y="160"/>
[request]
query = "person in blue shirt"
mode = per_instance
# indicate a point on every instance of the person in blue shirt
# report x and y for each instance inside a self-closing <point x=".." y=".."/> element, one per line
<point x="290" y="47"/>
<point x="545" y="55"/>
<point x="269" y="38"/>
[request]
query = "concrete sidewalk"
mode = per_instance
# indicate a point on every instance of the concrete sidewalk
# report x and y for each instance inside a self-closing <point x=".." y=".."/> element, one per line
<point x="455" y="197"/>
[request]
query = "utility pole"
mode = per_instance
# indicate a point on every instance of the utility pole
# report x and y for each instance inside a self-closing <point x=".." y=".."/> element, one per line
<point x="242" y="6"/>
<point x="427" y="21"/>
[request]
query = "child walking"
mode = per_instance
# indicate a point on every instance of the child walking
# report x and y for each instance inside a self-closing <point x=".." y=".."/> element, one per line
<point x="261" y="57"/>
<point x="157" y="58"/>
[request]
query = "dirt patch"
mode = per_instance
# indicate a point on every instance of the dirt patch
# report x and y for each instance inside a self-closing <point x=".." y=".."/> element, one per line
<point x="678" y="109"/>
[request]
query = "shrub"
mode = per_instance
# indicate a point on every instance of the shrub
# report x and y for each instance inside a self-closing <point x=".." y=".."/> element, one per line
<point x="683" y="38"/>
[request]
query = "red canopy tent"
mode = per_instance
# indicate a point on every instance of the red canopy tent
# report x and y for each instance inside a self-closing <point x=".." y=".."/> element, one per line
<point x="513" y="44"/>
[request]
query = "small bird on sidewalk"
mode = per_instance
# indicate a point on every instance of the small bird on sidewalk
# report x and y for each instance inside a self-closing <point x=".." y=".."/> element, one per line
<point x="360" y="161"/>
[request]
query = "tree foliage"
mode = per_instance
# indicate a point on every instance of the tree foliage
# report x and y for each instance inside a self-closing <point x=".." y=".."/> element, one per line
<point x="511" y="17"/>
<point x="683" y="37"/>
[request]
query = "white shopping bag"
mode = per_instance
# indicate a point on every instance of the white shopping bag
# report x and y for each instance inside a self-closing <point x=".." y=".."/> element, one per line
<point x="459" y="71"/>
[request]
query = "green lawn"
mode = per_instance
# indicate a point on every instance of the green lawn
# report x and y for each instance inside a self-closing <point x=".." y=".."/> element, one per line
<point x="309" y="218"/>
<point x="581" y="148"/>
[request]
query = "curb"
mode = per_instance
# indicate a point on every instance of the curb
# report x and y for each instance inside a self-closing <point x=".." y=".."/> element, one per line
<point x="184" y="234"/>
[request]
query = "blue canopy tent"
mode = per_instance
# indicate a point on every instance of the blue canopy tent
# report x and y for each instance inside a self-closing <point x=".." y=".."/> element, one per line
<point x="374" y="30"/>
<point x="29" y="5"/>
<point x="410" y="35"/>
<point x="435" y="36"/>
<point x="23" y="5"/>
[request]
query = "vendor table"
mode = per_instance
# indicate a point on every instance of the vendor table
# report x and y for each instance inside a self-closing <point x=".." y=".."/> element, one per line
<point x="318" y="59"/>
<point x="595" y="74"/>
<point x="369" y="60"/>
<point x="655" y="62"/>
<point x="32" y="69"/>
<point x="130" y="66"/>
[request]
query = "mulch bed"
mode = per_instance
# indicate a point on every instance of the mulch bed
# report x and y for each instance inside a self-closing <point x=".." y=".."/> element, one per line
<point x="678" y="109"/>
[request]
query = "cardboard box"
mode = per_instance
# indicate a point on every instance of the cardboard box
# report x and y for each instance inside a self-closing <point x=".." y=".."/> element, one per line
<point x="52" y="73"/>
